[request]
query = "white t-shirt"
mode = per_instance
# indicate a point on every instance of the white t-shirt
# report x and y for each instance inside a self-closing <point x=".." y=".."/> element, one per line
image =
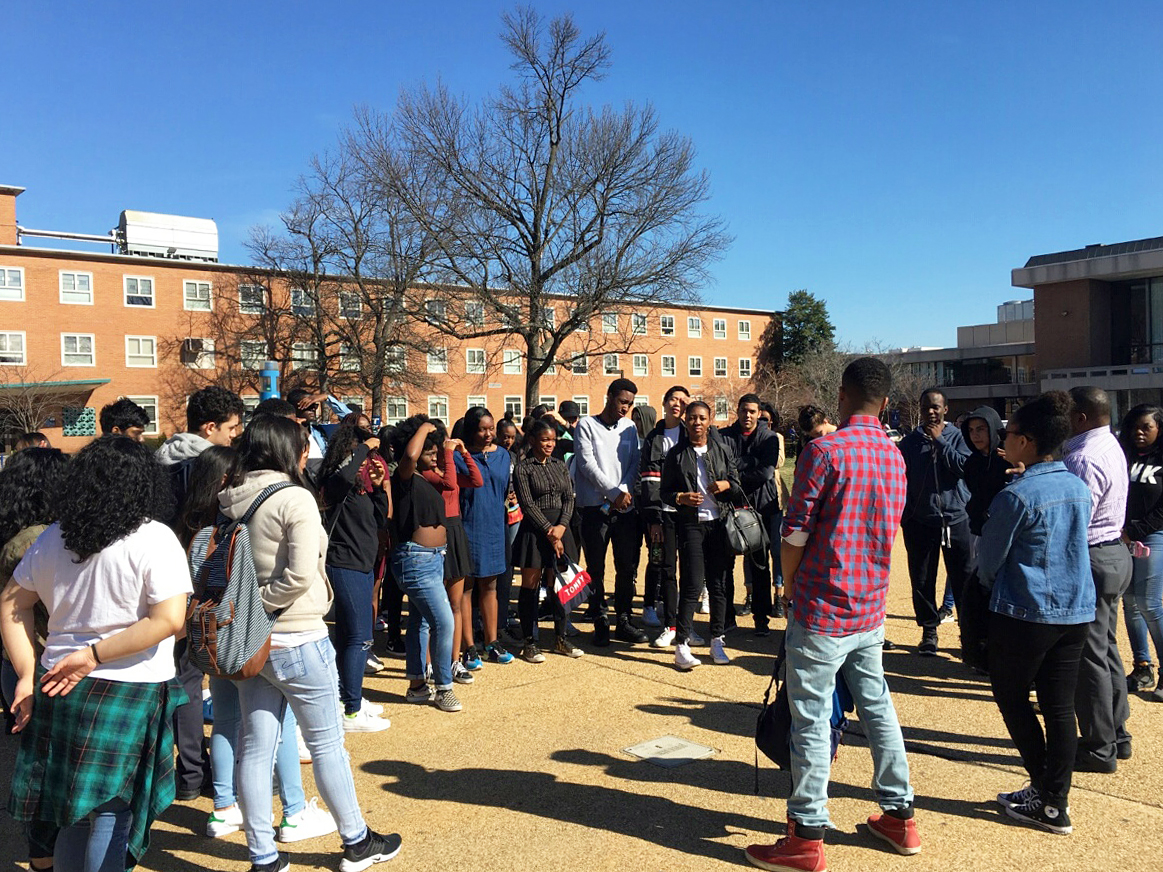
<point x="106" y="593"/>
<point x="709" y="508"/>
<point x="669" y="440"/>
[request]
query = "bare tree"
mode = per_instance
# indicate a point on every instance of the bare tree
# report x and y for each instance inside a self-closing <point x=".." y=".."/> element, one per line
<point x="29" y="398"/>
<point x="533" y="198"/>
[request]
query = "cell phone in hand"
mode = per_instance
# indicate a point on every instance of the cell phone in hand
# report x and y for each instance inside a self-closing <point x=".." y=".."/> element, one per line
<point x="1138" y="549"/>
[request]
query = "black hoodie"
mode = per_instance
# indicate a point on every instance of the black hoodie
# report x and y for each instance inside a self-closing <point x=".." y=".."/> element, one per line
<point x="985" y="474"/>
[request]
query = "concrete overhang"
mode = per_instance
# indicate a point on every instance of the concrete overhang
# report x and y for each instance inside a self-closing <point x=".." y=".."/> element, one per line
<point x="1108" y="268"/>
<point x="938" y="355"/>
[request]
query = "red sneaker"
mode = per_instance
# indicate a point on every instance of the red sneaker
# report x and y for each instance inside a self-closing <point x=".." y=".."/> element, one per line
<point x="789" y="854"/>
<point x="901" y="835"/>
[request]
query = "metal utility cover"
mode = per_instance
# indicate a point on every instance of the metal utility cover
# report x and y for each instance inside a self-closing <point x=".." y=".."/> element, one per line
<point x="669" y="751"/>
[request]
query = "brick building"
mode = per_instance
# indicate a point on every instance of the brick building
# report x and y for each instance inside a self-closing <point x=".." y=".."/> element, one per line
<point x="78" y="329"/>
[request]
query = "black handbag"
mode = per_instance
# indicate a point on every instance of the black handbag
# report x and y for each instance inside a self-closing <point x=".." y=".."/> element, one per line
<point x="745" y="530"/>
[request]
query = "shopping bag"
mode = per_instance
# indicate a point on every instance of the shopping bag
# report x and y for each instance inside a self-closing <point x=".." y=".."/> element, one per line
<point x="571" y="584"/>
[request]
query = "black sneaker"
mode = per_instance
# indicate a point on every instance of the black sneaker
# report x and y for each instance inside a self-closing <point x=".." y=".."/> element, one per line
<point x="945" y="614"/>
<point x="601" y="631"/>
<point x="281" y="863"/>
<point x="395" y="648"/>
<point x="1123" y="750"/>
<point x="761" y="630"/>
<point x="928" y="646"/>
<point x="745" y="609"/>
<point x="1141" y="677"/>
<point x="627" y="632"/>
<point x="1084" y="761"/>
<point x="1046" y="817"/>
<point x="777" y="609"/>
<point x="373" y="849"/>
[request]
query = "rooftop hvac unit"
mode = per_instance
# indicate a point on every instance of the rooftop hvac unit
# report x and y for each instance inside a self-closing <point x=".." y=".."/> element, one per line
<point x="176" y="236"/>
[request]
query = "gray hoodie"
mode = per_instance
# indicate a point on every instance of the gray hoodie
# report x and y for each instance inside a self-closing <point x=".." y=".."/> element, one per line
<point x="179" y="447"/>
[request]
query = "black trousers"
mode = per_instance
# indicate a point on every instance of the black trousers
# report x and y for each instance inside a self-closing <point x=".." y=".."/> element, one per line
<point x="924" y="547"/>
<point x="1101" y="698"/>
<point x="598" y="531"/>
<point x="1047" y="655"/>
<point x="193" y="763"/>
<point x="761" y="573"/>
<point x="704" y="558"/>
<point x="662" y="575"/>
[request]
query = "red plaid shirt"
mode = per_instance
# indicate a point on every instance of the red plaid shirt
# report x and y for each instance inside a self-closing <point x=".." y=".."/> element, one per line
<point x="848" y="498"/>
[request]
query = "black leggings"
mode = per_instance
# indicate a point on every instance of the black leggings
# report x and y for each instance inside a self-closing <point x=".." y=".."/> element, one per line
<point x="1022" y="653"/>
<point x="703" y="559"/>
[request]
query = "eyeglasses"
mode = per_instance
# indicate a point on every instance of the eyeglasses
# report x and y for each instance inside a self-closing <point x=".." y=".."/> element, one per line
<point x="1010" y="432"/>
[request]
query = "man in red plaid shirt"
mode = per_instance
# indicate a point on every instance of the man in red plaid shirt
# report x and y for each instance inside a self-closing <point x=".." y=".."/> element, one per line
<point x="838" y="534"/>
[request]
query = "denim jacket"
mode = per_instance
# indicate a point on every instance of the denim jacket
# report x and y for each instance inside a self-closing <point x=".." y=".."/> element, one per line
<point x="1033" y="550"/>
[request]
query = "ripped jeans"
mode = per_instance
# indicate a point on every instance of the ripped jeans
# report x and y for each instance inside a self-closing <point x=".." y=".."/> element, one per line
<point x="353" y="631"/>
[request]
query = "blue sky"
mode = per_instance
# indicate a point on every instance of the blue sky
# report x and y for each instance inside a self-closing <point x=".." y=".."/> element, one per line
<point x="896" y="159"/>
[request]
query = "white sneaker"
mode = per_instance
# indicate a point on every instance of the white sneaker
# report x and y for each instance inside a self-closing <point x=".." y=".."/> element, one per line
<point x="650" y="617"/>
<point x="684" y="659"/>
<point x="461" y="675"/>
<point x="304" y="751"/>
<point x="224" y="821"/>
<point x="705" y="603"/>
<point x="695" y="639"/>
<point x="373" y="665"/>
<point x="362" y="722"/>
<point x="311" y="822"/>
<point x="664" y="639"/>
<point x="372" y="708"/>
<point x="719" y="651"/>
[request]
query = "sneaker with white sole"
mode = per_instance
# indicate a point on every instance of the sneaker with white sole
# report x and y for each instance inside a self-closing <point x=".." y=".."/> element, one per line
<point x="1040" y="814"/>
<point x="471" y="659"/>
<point x="695" y="639"/>
<point x="304" y="751"/>
<point x="530" y="653"/>
<point x="446" y="701"/>
<point x="566" y="648"/>
<point x="1017" y="797"/>
<point x="372" y="708"/>
<point x="373" y="848"/>
<point x="224" y="821"/>
<point x="461" y="675"/>
<point x="684" y="659"/>
<point x="704" y="605"/>
<point x="719" y="651"/>
<point x="664" y="639"/>
<point x="373" y="665"/>
<point x="650" y="617"/>
<point x="309" y="823"/>
<point x="422" y="694"/>
<point x="362" y="722"/>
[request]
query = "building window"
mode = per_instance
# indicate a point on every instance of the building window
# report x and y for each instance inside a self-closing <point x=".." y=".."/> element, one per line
<point x="668" y="365"/>
<point x="249" y="404"/>
<point x="77" y="349"/>
<point x="638" y="324"/>
<point x="744" y="329"/>
<point x="610" y="364"/>
<point x="641" y="400"/>
<point x="516" y="406"/>
<point x="694" y="326"/>
<point x="744" y="367"/>
<point x="720" y="367"/>
<point x="350" y="306"/>
<point x="583" y="325"/>
<point x="138" y="291"/>
<point x="196" y="296"/>
<point x="252" y="353"/>
<point x="395" y="359"/>
<point x="434" y="311"/>
<point x="11" y="283"/>
<point x="12" y="348"/>
<point x="302" y="303"/>
<point x="482" y="401"/>
<point x="511" y="362"/>
<point x="77" y="288"/>
<point x="640" y="364"/>
<point x="694" y="365"/>
<point x="548" y="400"/>
<point x="149" y="404"/>
<point x="78" y="421"/>
<point x="548" y="317"/>
<point x="722" y="409"/>
<point x="474" y="314"/>
<point x="198" y="353"/>
<point x="438" y="408"/>
<point x="583" y="404"/>
<point x="580" y="365"/>
<point x="438" y="360"/>
<point x="304" y="355"/>
<point x="396" y="409"/>
<point x="666" y="325"/>
<point x="719" y="328"/>
<point x="252" y="299"/>
<point x="610" y="322"/>
<point x="349" y="358"/>
<point x="475" y="361"/>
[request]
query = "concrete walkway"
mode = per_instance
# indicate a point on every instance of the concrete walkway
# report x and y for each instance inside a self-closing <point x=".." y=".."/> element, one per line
<point x="532" y="774"/>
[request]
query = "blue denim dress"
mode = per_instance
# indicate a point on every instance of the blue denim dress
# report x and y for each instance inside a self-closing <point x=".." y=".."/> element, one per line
<point x="483" y="511"/>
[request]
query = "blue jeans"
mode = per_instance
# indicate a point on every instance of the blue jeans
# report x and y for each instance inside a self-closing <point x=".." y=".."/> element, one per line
<point x="305" y="678"/>
<point x="1147" y="587"/>
<point x="813" y="660"/>
<point x="224" y="739"/>
<point x="419" y="572"/>
<point x="353" y="631"/>
<point x="96" y="843"/>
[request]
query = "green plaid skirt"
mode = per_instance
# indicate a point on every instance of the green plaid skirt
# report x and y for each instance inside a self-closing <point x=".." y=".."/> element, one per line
<point x="104" y="740"/>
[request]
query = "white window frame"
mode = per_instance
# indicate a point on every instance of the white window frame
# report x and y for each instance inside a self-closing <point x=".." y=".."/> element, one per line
<point x="7" y="286"/>
<point x="515" y="404"/>
<point x="640" y="365"/>
<point x="249" y="404"/>
<point x="607" y="368"/>
<point x="641" y="400"/>
<point x="301" y="361"/>
<point x="747" y="361"/>
<point x="719" y="328"/>
<point x="671" y="370"/>
<point x="744" y="329"/>
<point x="147" y="403"/>
<point x="203" y="358"/>
<point x="389" y="402"/>
<point x="76" y="274"/>
<point x="395" y="358"/>
<point x="302" y="303"/>
<point x="437" y="359"/>
<point x="694" y="365"/>
<point x="474" y="314"/>
<point x="477" y="367"/>
<point x="125" y="280"/>
<point x="346" y="309"/>
<point x="584" y="362"/>
<point x="435" y="402"/>
<point x="245" y="308"/>
<point x="348" y="360"/>
<point x="511" y="361"/>
<point x="638" y="323"/>
<point x="610" y="322"/>
<point x="583" y="326"/>
<point x="583" y="402"/>
<point x="548" y="317"/>
<point x="694" y="327"/>
<point x="6" y="336"/>
<point x="666" y="325"/>
<point x="92" y="348"/>
<point x="248" y="360"/>
<point x="196" y="285"/>
<point x="548" y="400"/>
<point x="435" y="311"/>
<point x="722" y="408"/>
<point x="477" y="400"/>
<point x="720" y="367"/>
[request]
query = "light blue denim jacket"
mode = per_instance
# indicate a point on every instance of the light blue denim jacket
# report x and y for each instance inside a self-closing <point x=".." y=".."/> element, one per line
<point x="1033" y="550"/>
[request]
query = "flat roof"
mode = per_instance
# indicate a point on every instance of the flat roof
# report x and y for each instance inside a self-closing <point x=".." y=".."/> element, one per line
<point x="1121" y="260"/>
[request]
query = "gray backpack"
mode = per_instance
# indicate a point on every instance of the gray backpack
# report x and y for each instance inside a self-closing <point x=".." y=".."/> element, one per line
<point x="227" y="627"/>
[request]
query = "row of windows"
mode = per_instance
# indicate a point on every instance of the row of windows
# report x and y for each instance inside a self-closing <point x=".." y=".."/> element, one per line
<point x="78" y="349"/>
<point x="77" y="288"/>
<point x="476" y="364"/>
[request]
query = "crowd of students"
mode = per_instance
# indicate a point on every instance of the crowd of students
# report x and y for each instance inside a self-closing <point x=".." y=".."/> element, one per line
<point x="1037" y="551"/>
